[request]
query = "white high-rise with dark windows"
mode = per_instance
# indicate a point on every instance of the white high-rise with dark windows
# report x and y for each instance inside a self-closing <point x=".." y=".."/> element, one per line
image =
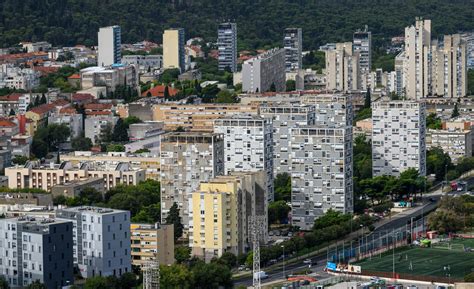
<point x="362" y="43"/>
<point x="227" y="45"/>
<point x="110" y="47"/>
<point x="293" y="44"/>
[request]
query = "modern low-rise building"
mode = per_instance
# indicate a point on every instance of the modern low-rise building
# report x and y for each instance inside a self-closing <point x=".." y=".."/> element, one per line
<point x="36" y="250"/>
<point x="101" y="239"/>
<point x="74" y="188"/>
<point x="152" y="243"/>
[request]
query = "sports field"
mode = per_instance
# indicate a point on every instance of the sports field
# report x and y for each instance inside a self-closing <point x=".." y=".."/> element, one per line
<point x="424" y="261"/>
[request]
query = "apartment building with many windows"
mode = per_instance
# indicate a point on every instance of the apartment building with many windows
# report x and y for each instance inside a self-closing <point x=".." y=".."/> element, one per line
<point x="152" y="242"/>
<point x="227" y="46"/>
<point x="101" y="239"/>
<point x="398" y="137"/>
<point x="36" y="250"/>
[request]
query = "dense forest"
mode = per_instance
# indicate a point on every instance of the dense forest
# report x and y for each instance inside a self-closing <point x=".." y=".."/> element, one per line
<point x="260" y="22"/>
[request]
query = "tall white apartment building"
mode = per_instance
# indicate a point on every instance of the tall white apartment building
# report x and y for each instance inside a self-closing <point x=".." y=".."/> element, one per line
<point x="285" y="117"/>
<point x="449" y="67"/>
<point x="36" y="250"/>
<point x="321" y="173"/>
<point x="248" y="145"/>
<point x="101" y="240"/>
<point x="398" y="137"/>
<point x="186" y="160"/>
<point x="342" y="68"/>
<point x="110" y="46"/>
<point x="173" y="49"/>
<point x="227" y="46"/>
<point x="417" y="76"/>
<point x="362" y="43"/>
<point x="262" y="72"/>
<point x="293" y="44"/>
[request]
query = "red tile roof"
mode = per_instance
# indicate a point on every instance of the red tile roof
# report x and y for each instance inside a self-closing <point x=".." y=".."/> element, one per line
<point x="11" y="97"/>
<point x="7" y="123"/>
<point x="68" y="110"/>
<point x="75" y="76"/>
<point x="159" y="91"/>
<point x="45" y="70"/>
<point x="98" y="106"/>
<point x="44" y="108"/>
<point x="98" y="112"/>
<point x="82" y="96"/>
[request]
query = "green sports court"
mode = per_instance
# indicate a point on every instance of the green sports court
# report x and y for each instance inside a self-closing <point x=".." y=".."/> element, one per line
<point x="442" y="260"/>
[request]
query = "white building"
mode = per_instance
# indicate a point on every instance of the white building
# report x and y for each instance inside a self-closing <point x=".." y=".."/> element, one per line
<point x="70" y="118"/>
<point x="398" y="137"/>
<point x="101" y="240"/>
<point x="248" y="145"/>
<point x="98" y="126"/>
<point x="342" y="68"/>
<point x="293" y="44"/>
<point x="110" y="46"/>
<point x="456" y="143"/>
<point x="262" y="72"/>
<point x="286" y="117"/>
<point x="144" y="63"/>
<point x="362" y="43"/>
<point x="18" y="78"/>
<point x="109" y="77"/>
<point x="227" y="46"/>
<point x="36" y="250"/>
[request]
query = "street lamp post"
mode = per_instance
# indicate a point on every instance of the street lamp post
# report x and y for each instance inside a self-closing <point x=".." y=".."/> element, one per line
<point x="283" y="246"/>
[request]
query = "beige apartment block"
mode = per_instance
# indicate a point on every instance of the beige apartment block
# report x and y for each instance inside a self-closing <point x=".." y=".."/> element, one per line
<point x="342" y="68"/>
<point x="152" y="242"/>
<point x="173" y="49"/>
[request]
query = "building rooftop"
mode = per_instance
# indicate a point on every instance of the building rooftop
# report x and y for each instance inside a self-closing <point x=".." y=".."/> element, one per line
<point x="35" y="225"/>
<point x="91" y="209"/>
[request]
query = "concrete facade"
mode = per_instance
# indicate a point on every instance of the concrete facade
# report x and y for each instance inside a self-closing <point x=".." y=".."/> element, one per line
<point x="227" y="46"/>
<point x="152" y="242"/>
<point x="173" y="49"/>
<point x="110" y="47"/>
<point x="293" y="44"/>
<point x="263" y="71"/>
<point x="342" y="68"/>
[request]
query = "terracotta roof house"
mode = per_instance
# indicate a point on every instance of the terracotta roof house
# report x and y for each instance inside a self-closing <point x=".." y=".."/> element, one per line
<point x="159" y="91"/>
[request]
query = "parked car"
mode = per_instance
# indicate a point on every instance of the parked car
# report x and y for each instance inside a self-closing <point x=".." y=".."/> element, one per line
<point x="307" y="261"/>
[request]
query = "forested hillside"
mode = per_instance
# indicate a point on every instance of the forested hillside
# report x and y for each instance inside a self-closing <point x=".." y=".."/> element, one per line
<point x="260" y="22"/>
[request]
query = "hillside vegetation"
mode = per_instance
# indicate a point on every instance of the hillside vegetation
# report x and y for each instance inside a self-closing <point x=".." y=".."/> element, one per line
<point x="260" y="22"/>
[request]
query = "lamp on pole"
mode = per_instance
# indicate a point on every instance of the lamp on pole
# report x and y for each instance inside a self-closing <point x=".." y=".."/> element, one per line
<point x="283" y="246"/>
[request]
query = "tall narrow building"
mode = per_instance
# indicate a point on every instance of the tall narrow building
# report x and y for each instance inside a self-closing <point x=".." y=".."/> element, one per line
<point x="342" y="68"/>
<point x="293" y="44"/>
<point x="248" y="145"/>
<point x="110" y="48"/>
<point x="186" y="160"/>
<point x="173" y="49"/>
<point x="227" y="45"/>
<point x="417" y="66"/>
<point x="362" y="43"/>
<point x="449" y="67"/>
<point x="398" y="137"/>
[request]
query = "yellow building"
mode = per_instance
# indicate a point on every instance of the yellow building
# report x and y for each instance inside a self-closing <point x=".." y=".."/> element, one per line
<point x="220" y="211"/>
<point x="152" y="242"/>
<point x="173" y="49"/>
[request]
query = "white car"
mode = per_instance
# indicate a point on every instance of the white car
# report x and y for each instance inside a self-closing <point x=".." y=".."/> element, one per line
<point x="307" y="261"/>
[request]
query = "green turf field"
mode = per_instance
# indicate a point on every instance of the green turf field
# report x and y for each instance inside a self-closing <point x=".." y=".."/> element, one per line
<point x="423" y="261"/>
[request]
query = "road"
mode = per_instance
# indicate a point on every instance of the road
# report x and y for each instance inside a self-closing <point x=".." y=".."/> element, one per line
<point x="276" y="272"/>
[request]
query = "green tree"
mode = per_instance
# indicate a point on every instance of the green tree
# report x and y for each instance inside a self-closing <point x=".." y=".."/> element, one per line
<point x="166" y="93"/>
<point x="19" y="160"/>
<point x="39" y="148"/>
<point x="229" y="259"/>
<point x="278" y="212"/>
<point x="128" y="280"/>
<point x="212" y="276"/>
<point x="140" y="151"/>
<point x="282" y="185"/>
<point x="225" y="96"/>
<point x="175" y="219"/>
<point x="433" y="121"/>
<point x="290" y="85"/>
<point x="438" y="162"/>
<point x="445" y="221"/>
<point x="148" y="214"/>
<point x="81" y="143"/>
<point x="97" y="282"/>
<point x="4" y="283"/>
<point x="455" y="111"/>
<point x="131" y="120"/>
<point x="469" y="277"/>
<point x="36" y="285"/>
<point x="120" y="133"/>
<point x="367" y="99"/>
<point x="182" y="254"/>
<point x="272" y="87"/>
<point x="175" y="276"/>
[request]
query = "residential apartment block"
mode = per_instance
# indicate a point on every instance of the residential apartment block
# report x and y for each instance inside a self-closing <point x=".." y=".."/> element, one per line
<point x="248" y="145"/>
<point x="227" y="46"/>
<point x="293" y="44"/>
<point x="362" y="43"/>
<point x="267" y="70"/>
<point x="220" y="211"/>
<point x="321" y="173"/>
<point x="98" y="127"/>
<point x="152" y="242"/>
<point x="342" y="68"/>
<point x="456" y="143"/>
<point x="110" y="47"/>
<point x="284" y="118"/>
<point x="101" y="240"/>
<point x="36" y="250"/>
<point x="35" y="175"/>
<point x="109" y="77"/>
<point x="173" y="49"/>
<point x="186" y="160"/>
<point x="398" y="137"/>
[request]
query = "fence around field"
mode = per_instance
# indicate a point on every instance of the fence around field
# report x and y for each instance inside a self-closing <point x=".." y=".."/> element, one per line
<point x="406" y="276"/>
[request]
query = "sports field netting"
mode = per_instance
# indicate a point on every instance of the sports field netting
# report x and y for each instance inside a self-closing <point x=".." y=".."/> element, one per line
<point x="423" y="261"/>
